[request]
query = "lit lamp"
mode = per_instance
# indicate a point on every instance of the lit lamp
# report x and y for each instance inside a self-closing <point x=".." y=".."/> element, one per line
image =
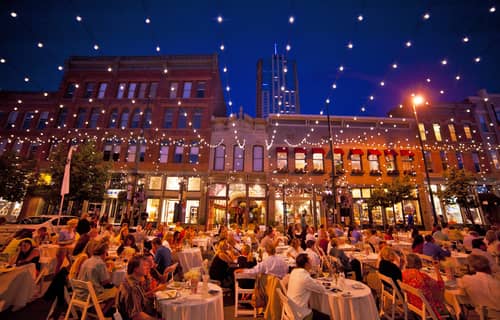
<point x="416" y="101"/>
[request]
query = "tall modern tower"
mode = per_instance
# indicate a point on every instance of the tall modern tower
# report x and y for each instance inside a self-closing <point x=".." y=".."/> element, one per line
<point x="277" y="86"/>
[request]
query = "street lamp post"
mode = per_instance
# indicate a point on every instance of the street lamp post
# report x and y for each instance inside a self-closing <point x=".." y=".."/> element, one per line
<point x="334" y="189"/>
<point x="285" y="216"/>
<point x="417" y="100"/>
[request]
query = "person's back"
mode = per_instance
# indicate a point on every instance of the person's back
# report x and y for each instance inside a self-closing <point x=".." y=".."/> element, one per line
<point x="94" y="270"/>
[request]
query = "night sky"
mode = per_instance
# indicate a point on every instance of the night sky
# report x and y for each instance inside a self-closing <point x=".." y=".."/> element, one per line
<point x="318" y="37"/>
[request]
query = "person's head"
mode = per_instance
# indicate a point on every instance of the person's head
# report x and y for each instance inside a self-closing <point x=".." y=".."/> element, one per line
<point x="413" y="261"/>
<point x="245" y="250"/>
<point x="222" y="246"/>
<point x="71" y="224"/>
<point x="490" y="236"/>
<point x="373" y="232"/>
<point x="177" y="235"/>
<point x="310" y="243"/>
<point x="387" y="253"/>
<point x="270" y="249"/>
<point x="478" y="244"/>
<point x="479" y="263"/>
<point x="137" y="266"/>
<point x="100" y="249"/>
<point x="334" y="242"/>
<point x="129" y="240"/>
<point x="25" y="245"/>
<point x="302" y="261"/>
<point x="138" y="229"/>
<point x="295" y="243"/>
<point x="418" y="240"/>
<point x="438" y="228"/>
<point x="85" y="216"/>
<point x="429" y="238"/>
<point x="156" y="243"/>
<point x="89" y="248"/>
<point x="269" y="231"/>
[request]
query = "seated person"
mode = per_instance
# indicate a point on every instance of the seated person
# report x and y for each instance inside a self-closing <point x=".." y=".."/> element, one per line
<point x="245" y="261"/>
<point x="28" y="254"/>
<point x="479" y="248"/>
<point x="133" y="302"/>
<point x="388" y="265"/>
<point x="418" y="244"/>
<point x="440" y="235"/>
<point x="41" y="236"/>
<point x="347" y="265"/>
<point x="272" y="265"/>
<point x="295" y="249"/>
<point x="163" y="256"/>
<point x="223" y="264"/>
<point x="431" y="249"/>
<point x="13" y="243"/>
<point x="314" y="258"/>
<point x="128" y="248"/>
<point x="374" y="239"/>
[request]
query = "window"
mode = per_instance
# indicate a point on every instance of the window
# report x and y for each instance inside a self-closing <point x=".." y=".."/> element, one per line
<point x="373" y="163"/>
<point x="179" y="152"/>
<point x="89" y="90"/>
<point x="407" y="160"/>
<point x="70" y="90"/>
<point x="428" y="160"/>
<point x="219" y="157"/>
<point x="300" y="159"/>
<point x="444" y="160"/>
<point x="437" y="131"/>
<point x="194" y="153"/>
<point x="131" y="90"/>
<point x="181" y="119"/>
<point x="164" y="153"/>
<point x="113" y="119"/>
<point x="168" y="119"/>
<point x="421" y="129"/>
<point x="356" y="162"/>
<point x="153" y="89"/>
<point x="155" y="183"/>
<point x="200" y="89"/>
<point x="142" y="151"/>
<point x="32" y="151"/>
<point x="187" y="90"/>
<point x="475" y="160"/>
<point x="80" y="118"/>
<point x="61" y="118"/>
<point x="94" y="118"/>
<point x="42" y="121"/>
<point x="282" y="159"/>
<point x="194" y="184"/>
<point x="11" y="120"/>
<point x="131" y="152"/>
<point x="174" y="87"/>
<point x="460" y="160"/>
<point x="116" y="152"/>
<point x="197" y="116"/>
<point x="390" y="162"/>
<point x="147" y="119"/>
<point x="142" y="90"/>
<point x="121" y="90"/>
<point x="108" y="147"/>
<point x="238" y="158"/>
<point x="338" y="160"/>
<point x="136" y="119"/>
<point x="453" y="134"/>
<point x="102" y="90"/>
<point x="124" y="119"/>
<point x="494" y="159"/>
<point x="467" y="131"/>
<point x="483" y="123"/>
<point x="28" y="118"/>
<point x="258" y="158"/>
<point x="318" y="162"/>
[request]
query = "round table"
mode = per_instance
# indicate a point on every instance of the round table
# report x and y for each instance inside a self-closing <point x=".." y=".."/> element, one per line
<point x="201" y="306"/>
<point x="202" y="242"/>
<point x="17" y="286"/>
<point x="352" y="303"/>
<point x="190" y="258"/>
<point x="49" y="250"/>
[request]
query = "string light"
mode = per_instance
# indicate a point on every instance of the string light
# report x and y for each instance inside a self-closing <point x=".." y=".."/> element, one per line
<point x="444" y="62"/>
<point x="79" y="19"/>
<point x="291" y="19"/>
<point x="60" y="68"/>
<point x="40" y="45"/>
<point x="493" y="9"/>
<point x="2" y="60"/>
<point x="477" y="59"/>
<point x="148" y="21"/>
<point x="465" y="39"/>
<point x="13" y="14"/>
<point x="350" y="45"/>
<point x="360" y="18"/>
<point x="408" y="44"/>
<point x="426" y="16"/>
<point x="219" y="19"/>
<point x="96" y="47"/>
<point x="394" y="65"/>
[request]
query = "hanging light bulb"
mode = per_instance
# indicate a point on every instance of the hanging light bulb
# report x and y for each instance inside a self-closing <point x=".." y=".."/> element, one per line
<point x="394" y="65"/>
<point x="96" y="47"/>
<point x="408" y="44"/>
<point x="493" y="9"/>
<point x="444" y="62"/>
<point x="40" y="45"/>
<point x="60" y="68"/>
<point x="288" y="47"/>
<point x="350" y="45"/>
<point x="78" y="18"/>
<point x="222" y="47"/>
<point x="13" y="14"/>
<point x="426" y="16"/>
<point x="360" y="18"/>
<point x="3" y="60"/>
<point x="219" y="19"/>
<point x="465" y="39"/>
<point x="477" y="59"/>
<point x="291" y="19"/>
<point x="157" y="48"/>
<point x="26" y="79"/>
<point x="341" y="68"/>
<point x="148" y="21"/>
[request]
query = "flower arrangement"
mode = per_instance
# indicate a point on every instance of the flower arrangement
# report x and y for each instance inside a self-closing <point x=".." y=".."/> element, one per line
<point x="193" y="274"/>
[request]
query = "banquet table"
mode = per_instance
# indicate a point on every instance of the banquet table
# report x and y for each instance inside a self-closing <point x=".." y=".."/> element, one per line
<point x="48" y="250"/>
<point x="200" y="305"/>
<point x="202" y="242"/>
<point x="401" y="245"/>
<point x="459" y="257"/>
<point x="347" y="247"/>
<point x="354" y="302"/>
<point x="190" y="258"/>
<point x="17" y="286"/>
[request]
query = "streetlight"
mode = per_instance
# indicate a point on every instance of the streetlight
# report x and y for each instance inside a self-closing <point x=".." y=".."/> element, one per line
<point x="334" y="190"/>
<point x="418" y="100"/>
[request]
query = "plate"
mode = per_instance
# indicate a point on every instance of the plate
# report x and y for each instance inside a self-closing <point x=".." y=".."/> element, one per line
<point x="166" y="295"/>
<point x="176" y="285"/>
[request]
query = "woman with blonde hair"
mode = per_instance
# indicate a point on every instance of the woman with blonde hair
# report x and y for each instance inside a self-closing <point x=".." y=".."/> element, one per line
<point x="389" y="264"/>
<point x="222" y="266"/>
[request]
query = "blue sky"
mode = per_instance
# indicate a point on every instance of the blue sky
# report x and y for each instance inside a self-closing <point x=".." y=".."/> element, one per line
<point x="318" y="37"/>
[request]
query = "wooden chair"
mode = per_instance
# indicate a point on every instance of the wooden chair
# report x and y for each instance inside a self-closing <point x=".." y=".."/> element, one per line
<point x="389" y="292"/>
<point x="84" y="297"/>
<point x="287" y="311"/>
<point x="242" y="295"/>
<point x="425" y="310"/>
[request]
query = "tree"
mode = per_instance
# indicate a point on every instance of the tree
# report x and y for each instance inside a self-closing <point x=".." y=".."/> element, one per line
<point x="378" y="198"/>
<point x="459" y="190"/>
<point x="17" y="175"/>
<point x="88" y="176"/>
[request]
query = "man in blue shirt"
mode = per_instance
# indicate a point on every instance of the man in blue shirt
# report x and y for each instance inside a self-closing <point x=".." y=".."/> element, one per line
<point x="433" y="250"/>
<point x="163" y="255"/>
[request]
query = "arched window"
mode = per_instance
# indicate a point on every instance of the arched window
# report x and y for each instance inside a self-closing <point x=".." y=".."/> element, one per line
<point x="219" y="157"/>
<point x="181" y="119"/>
<point x="147" y="119"/>
<point x="136" y="119"/>
<point x="113" y="119"/>
<point x="124" y="119"/>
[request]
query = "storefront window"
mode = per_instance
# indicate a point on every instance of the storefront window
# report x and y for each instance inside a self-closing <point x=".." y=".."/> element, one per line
<point x="192" y="210"/>
<point x="356" y="193"/>
<point x="257" y="191"/>
<point x="377" y="215"/>
<point x="194" y="184"/>
<point x="217" y="190"/>
<point x="318" y="161"/>
<point x="172" y="183"/>
<point x="216" y="212"/>
<point x="155" y="183"/>
<point x="152" y="208"/>
<point x="168" y="210"/>
<point x="390" y="162"/>
<point x="453" y="214"/>
<point x="366" y="192"/>
<point x="282" y="160"/>
<point x="300" y="160"/>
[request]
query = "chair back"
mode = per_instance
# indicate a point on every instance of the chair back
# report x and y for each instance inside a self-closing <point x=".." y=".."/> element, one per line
<point x="425" y="310"/>
<point x="244" y="295"/>
<point x="391" y="291"/>
<point x="287" y="311"/>
<point x="84" y="297"/>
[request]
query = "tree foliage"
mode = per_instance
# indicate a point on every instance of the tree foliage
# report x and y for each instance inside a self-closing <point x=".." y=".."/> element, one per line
<point x="459" y="186"/>
<point x="389" y="194"/>
<point x="17" y="174"/>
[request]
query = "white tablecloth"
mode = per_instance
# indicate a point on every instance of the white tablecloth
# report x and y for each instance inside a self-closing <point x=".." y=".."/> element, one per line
<point x="202" y="242"/>
<point x="189" y="258"/>
<point x="17" y="287"/>
<point x="400" y="245"/>
<point x="48" y="250"/>
<point x="200" y="306"/>
<point x="358" y="305"/>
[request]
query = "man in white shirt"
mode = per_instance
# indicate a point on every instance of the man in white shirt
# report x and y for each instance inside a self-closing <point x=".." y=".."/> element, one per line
<point x="300" y="286"/>
<point x="273" y="264"/>
<point x="313" y="255"/>
<point x="479" y="248"/>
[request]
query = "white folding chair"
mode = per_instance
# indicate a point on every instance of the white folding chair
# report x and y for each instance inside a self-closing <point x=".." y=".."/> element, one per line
<point x="287" y="311"/>
<point x="424" y="311"/>
<point x="389" y="292"/>
<point x="84" y="297"/>
<point x="242" y="295"/>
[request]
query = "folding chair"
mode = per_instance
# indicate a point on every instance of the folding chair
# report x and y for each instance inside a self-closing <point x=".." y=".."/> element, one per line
<point x="425" y="310"/>
<point x="246" y="295"/>
<point x="287" y="311"/>
<point x="390" y="292"/>
<point x="84" y="297"/>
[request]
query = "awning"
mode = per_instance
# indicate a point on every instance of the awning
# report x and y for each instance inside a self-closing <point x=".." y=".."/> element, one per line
<point x="281" y="149"/>
<point x="391" y="151"/>
<point x="299" y="150"/>
<point x="318" y="150"/>
<point x="356" y="151"/>
<point x="375" y="152"/>
<point x="407" y="153"/>
<point x="338" y="150"/>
